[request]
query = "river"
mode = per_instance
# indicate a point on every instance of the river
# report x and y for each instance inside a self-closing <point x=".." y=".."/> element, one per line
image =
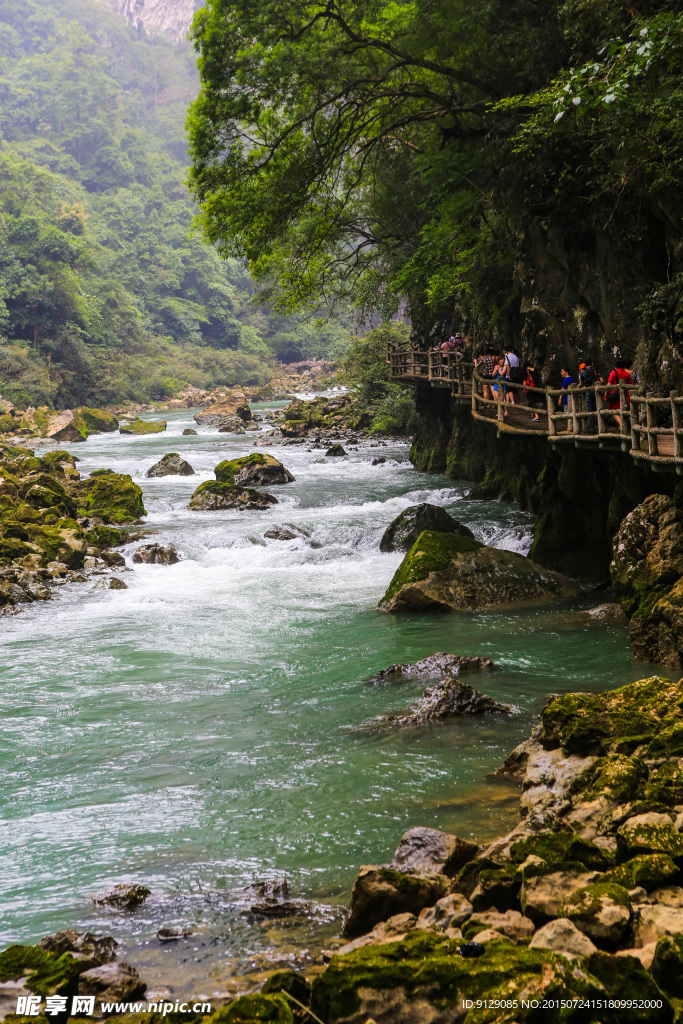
<point x="205" y="727"/>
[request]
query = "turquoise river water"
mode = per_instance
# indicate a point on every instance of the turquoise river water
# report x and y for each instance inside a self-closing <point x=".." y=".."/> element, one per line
<point x="204" y="728"/>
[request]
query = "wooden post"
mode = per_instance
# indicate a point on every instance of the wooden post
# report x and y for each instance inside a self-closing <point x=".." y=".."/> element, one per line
<point x="651" y="438"/>
<point x="501" y="401"/>
<point x="572" y="409"/>
<point x="552" y="425"/>
<point x="635" y="423"/>
<point x="676" y="424"/>
<point x="599" y="409"/>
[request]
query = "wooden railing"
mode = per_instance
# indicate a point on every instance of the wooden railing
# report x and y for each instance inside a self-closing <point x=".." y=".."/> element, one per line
<point x="435" y="368"/>
<point x="646" y="425"/>
<point x="657" y="429"/>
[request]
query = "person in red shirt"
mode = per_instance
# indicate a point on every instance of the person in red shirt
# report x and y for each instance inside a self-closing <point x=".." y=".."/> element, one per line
<point x="619" y="373"/>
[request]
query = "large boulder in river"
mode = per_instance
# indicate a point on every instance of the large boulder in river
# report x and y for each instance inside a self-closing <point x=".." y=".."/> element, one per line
<point x="170" y="465"/>
<point x="402" y="533"/>
<point x="138" y="426"/>
<point x="109" y="497"/>
<point x="98" y="421"/>
<point x="450" y="698"/>
<point x="156" y="554"/>
<point x="435" y="665"/>
<point x="256" y="470"/>
<point x="112" y="983"/>
<point x="449" y="572"/>
<point x="215" y="495"/>
<point x="647" y="577"/>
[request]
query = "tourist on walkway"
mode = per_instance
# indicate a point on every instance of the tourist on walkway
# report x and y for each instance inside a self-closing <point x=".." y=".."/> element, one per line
<point x="619" y="375"/>
<point x="567" y="381"/>
<point x="512" y="369"/>
<point x="533" y="385"/>
<point x="485" y="364"/>
<point x="588" y="378"/>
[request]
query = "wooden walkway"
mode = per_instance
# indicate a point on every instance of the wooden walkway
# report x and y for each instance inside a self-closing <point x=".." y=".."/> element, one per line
<point x="649" y="427"/>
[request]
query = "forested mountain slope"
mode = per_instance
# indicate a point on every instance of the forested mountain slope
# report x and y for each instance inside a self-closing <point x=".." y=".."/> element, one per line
<point x="105" y="294"/>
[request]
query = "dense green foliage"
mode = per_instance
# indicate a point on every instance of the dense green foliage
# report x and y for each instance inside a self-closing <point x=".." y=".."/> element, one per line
<point x="392" y="406"/>
<point x="513" y="165"/>
<point x="105" y="293"/>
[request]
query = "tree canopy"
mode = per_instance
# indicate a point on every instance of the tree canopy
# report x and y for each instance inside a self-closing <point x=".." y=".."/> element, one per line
<point x="429" y="149"/>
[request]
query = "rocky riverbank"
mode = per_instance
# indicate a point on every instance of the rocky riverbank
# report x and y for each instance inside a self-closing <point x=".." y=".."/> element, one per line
<point x="56" y="528"/>
<point x="581" y="905"/>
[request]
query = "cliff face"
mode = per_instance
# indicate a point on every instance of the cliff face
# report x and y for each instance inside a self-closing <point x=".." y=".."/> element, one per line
<point x="172" y="17"/>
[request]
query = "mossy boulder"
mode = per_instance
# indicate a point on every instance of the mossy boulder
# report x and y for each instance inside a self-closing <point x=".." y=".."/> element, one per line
<point x="47" y="973"/>
<point x="559" y="851"/>
<point x="602" y="911"/>
<point x="591" y="723"/>
<point x="256" y="470"/>
<point x="667" y="965"/>
<point x="98" y="421"/>
<point x="61" y="541"/>
<point x="647" y="577"/>
<point x="107" y="537"/>
<point x="213" y="495"/>
<point x="379" y="893"/>
<point x="291" y="982"/>
<point x="110" y="497"/>
<point x="650" y="833"/>
<point x="648" y="870"/>
<point x="138" y="426"/>
<point x="254" y="1009"/>
<point x="170" y="465"/>
<point x="665" y="783"/>
<point x="618" y="778"/>
<point x="423" y="977"/>
<point x="456" y="573"/>
<point x="639" y="1000"/>
<point x="405" y="529"/>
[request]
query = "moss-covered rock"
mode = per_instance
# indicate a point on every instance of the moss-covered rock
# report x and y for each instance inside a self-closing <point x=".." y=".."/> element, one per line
<point x="646" y="576"/>
<point x="170" y="465"/>
<point x="590" y="723"/>
<point x="256" y="470"/>
<point x="213" y="495"/>
<point x="619" y="778"/>
<point x="456" y="573"/>
<point x="648" y="870"/>
<point x="290" y="982"/>
<point x="559" y="851"/>
<point x="138" y="426"/>
<point x="406" y="528"/>
<point x="254" y="1009"/>
<point x="667" y="965"/>
<point x="47" y="973"/>
<point x="423" y="977"/>
<point x="98" y="421"/>
<point x="639" y="1000"/>
<point x="665" y="783"/>
<point x="602" y="911"/>
<point x="649" y="834"/>
<point x="64" y="541"/>
<point x="107" y="537"/>
<point x="380" y="893"/>
<point x="110" y="497"/>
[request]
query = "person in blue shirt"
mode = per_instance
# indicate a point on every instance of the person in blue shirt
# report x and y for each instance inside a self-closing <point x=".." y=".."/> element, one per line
<point x="567" y="379"/>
